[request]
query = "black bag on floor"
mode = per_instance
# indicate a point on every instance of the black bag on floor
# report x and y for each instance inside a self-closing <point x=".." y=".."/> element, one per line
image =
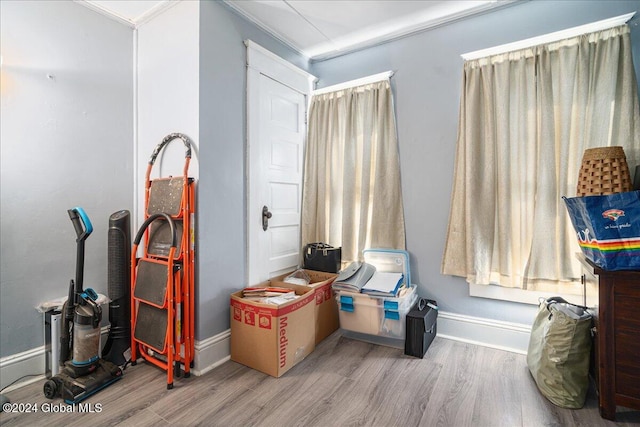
<point x="322" y="257"/>
<point x="422" y="327"/>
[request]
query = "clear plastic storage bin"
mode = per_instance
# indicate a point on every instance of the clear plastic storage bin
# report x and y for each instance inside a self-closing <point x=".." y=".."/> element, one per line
<point x="376" y="317"/>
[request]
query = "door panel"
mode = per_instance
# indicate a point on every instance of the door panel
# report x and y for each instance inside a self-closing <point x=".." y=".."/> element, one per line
<point x="284" y="112"/>
<point x="284" y="156"/>
<point x="277" y="179"/>
<point x="282" y="140"/>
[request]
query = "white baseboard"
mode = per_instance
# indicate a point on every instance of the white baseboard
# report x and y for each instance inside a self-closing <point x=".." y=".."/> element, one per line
<point x="211" y="352"/>
<point x="16" y="366"/>
<point x="513" y="337"/>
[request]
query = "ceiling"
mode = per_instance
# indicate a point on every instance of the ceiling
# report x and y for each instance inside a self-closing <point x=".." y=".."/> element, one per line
<point x="321" y="29"/>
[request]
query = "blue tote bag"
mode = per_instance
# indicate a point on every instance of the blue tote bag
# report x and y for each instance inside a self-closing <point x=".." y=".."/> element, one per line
<point x="608" y="228"/>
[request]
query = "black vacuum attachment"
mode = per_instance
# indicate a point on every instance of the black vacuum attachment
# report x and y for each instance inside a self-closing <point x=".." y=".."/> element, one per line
<point x="118" y="345"/>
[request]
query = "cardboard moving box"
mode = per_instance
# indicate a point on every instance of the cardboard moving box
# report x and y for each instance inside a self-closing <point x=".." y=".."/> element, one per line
<point x="327" y="319"/>
<point x="273" y="338"/>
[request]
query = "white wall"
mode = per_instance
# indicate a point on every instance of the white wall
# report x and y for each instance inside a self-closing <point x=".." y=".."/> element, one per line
<point x="66" y="140"/>
<point x="167" y="93"/>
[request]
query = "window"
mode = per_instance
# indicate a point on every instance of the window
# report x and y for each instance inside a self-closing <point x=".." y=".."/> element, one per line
<point x="526" y="117"/>
<point x="351" y="192"/>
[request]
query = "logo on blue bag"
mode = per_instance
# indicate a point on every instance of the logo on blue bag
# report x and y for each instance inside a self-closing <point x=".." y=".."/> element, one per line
<point x="613" y="214"/>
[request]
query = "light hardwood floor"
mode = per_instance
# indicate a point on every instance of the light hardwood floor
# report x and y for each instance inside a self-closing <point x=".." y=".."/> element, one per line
<point x="342" y="383"/>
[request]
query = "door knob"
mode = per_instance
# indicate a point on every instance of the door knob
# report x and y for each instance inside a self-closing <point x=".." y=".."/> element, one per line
<point x="265" y="217"/>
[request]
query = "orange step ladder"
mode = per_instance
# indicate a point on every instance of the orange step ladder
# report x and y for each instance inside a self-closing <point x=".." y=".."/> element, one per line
<point x="162" y="279"/>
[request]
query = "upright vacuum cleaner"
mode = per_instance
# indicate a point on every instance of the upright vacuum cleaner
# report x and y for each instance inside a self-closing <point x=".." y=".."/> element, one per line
<point x="84" y="372"/>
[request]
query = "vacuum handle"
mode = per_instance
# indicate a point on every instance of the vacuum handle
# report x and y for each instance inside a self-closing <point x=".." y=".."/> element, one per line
<point x="81" y="223"/>
<point x="143" y="227"/>
<point x="167" y="139"/>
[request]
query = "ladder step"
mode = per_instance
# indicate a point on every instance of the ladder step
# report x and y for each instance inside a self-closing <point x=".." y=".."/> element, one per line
<point x="151" y="327"/>
<point x="151" y="281"/>
<point x="165" y="196"/>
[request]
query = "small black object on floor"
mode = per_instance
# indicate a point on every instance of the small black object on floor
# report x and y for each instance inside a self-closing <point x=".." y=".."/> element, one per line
<point x="421" y="327"/>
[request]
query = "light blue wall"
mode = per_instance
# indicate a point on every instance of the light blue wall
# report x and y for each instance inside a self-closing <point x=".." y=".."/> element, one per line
<point x="427" y="86"/>
<point x="221" y="195"/>
<point x="66" y="140"/>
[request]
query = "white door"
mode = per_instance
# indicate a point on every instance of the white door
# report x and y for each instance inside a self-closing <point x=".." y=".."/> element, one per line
<point x="281" y="140"/>
<point x="276" y="136"/>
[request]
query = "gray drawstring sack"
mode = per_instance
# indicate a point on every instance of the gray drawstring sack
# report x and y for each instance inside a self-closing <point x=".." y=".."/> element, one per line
<point x="559" y="352"/>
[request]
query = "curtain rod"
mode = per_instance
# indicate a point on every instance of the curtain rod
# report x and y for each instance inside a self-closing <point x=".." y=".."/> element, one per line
<point x="357" y="82"/>
<point x="550" y="38"/>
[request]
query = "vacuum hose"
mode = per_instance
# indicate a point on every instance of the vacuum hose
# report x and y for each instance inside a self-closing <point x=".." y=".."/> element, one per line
<point x="66" y="338"/>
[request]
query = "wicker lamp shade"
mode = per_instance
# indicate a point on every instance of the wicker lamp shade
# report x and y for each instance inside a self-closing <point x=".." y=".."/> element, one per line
<point x="604" y="170"/>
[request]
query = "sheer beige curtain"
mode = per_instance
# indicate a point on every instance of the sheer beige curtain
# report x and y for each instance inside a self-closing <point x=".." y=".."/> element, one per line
<point x="526" y="118"/>
<point x="352" y="195"/>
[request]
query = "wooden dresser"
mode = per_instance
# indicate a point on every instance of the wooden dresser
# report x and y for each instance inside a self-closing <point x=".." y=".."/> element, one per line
<point x="617" y="339"/>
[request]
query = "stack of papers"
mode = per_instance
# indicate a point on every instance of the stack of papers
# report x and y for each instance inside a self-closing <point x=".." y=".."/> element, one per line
<point x="383" y="284"/>
<point x="257" y="293"/>
<point x="354" y="277"/>
<point x="280" y="299"/>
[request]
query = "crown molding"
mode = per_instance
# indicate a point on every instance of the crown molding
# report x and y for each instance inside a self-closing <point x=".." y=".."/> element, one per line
<point x="160" y="7"/>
